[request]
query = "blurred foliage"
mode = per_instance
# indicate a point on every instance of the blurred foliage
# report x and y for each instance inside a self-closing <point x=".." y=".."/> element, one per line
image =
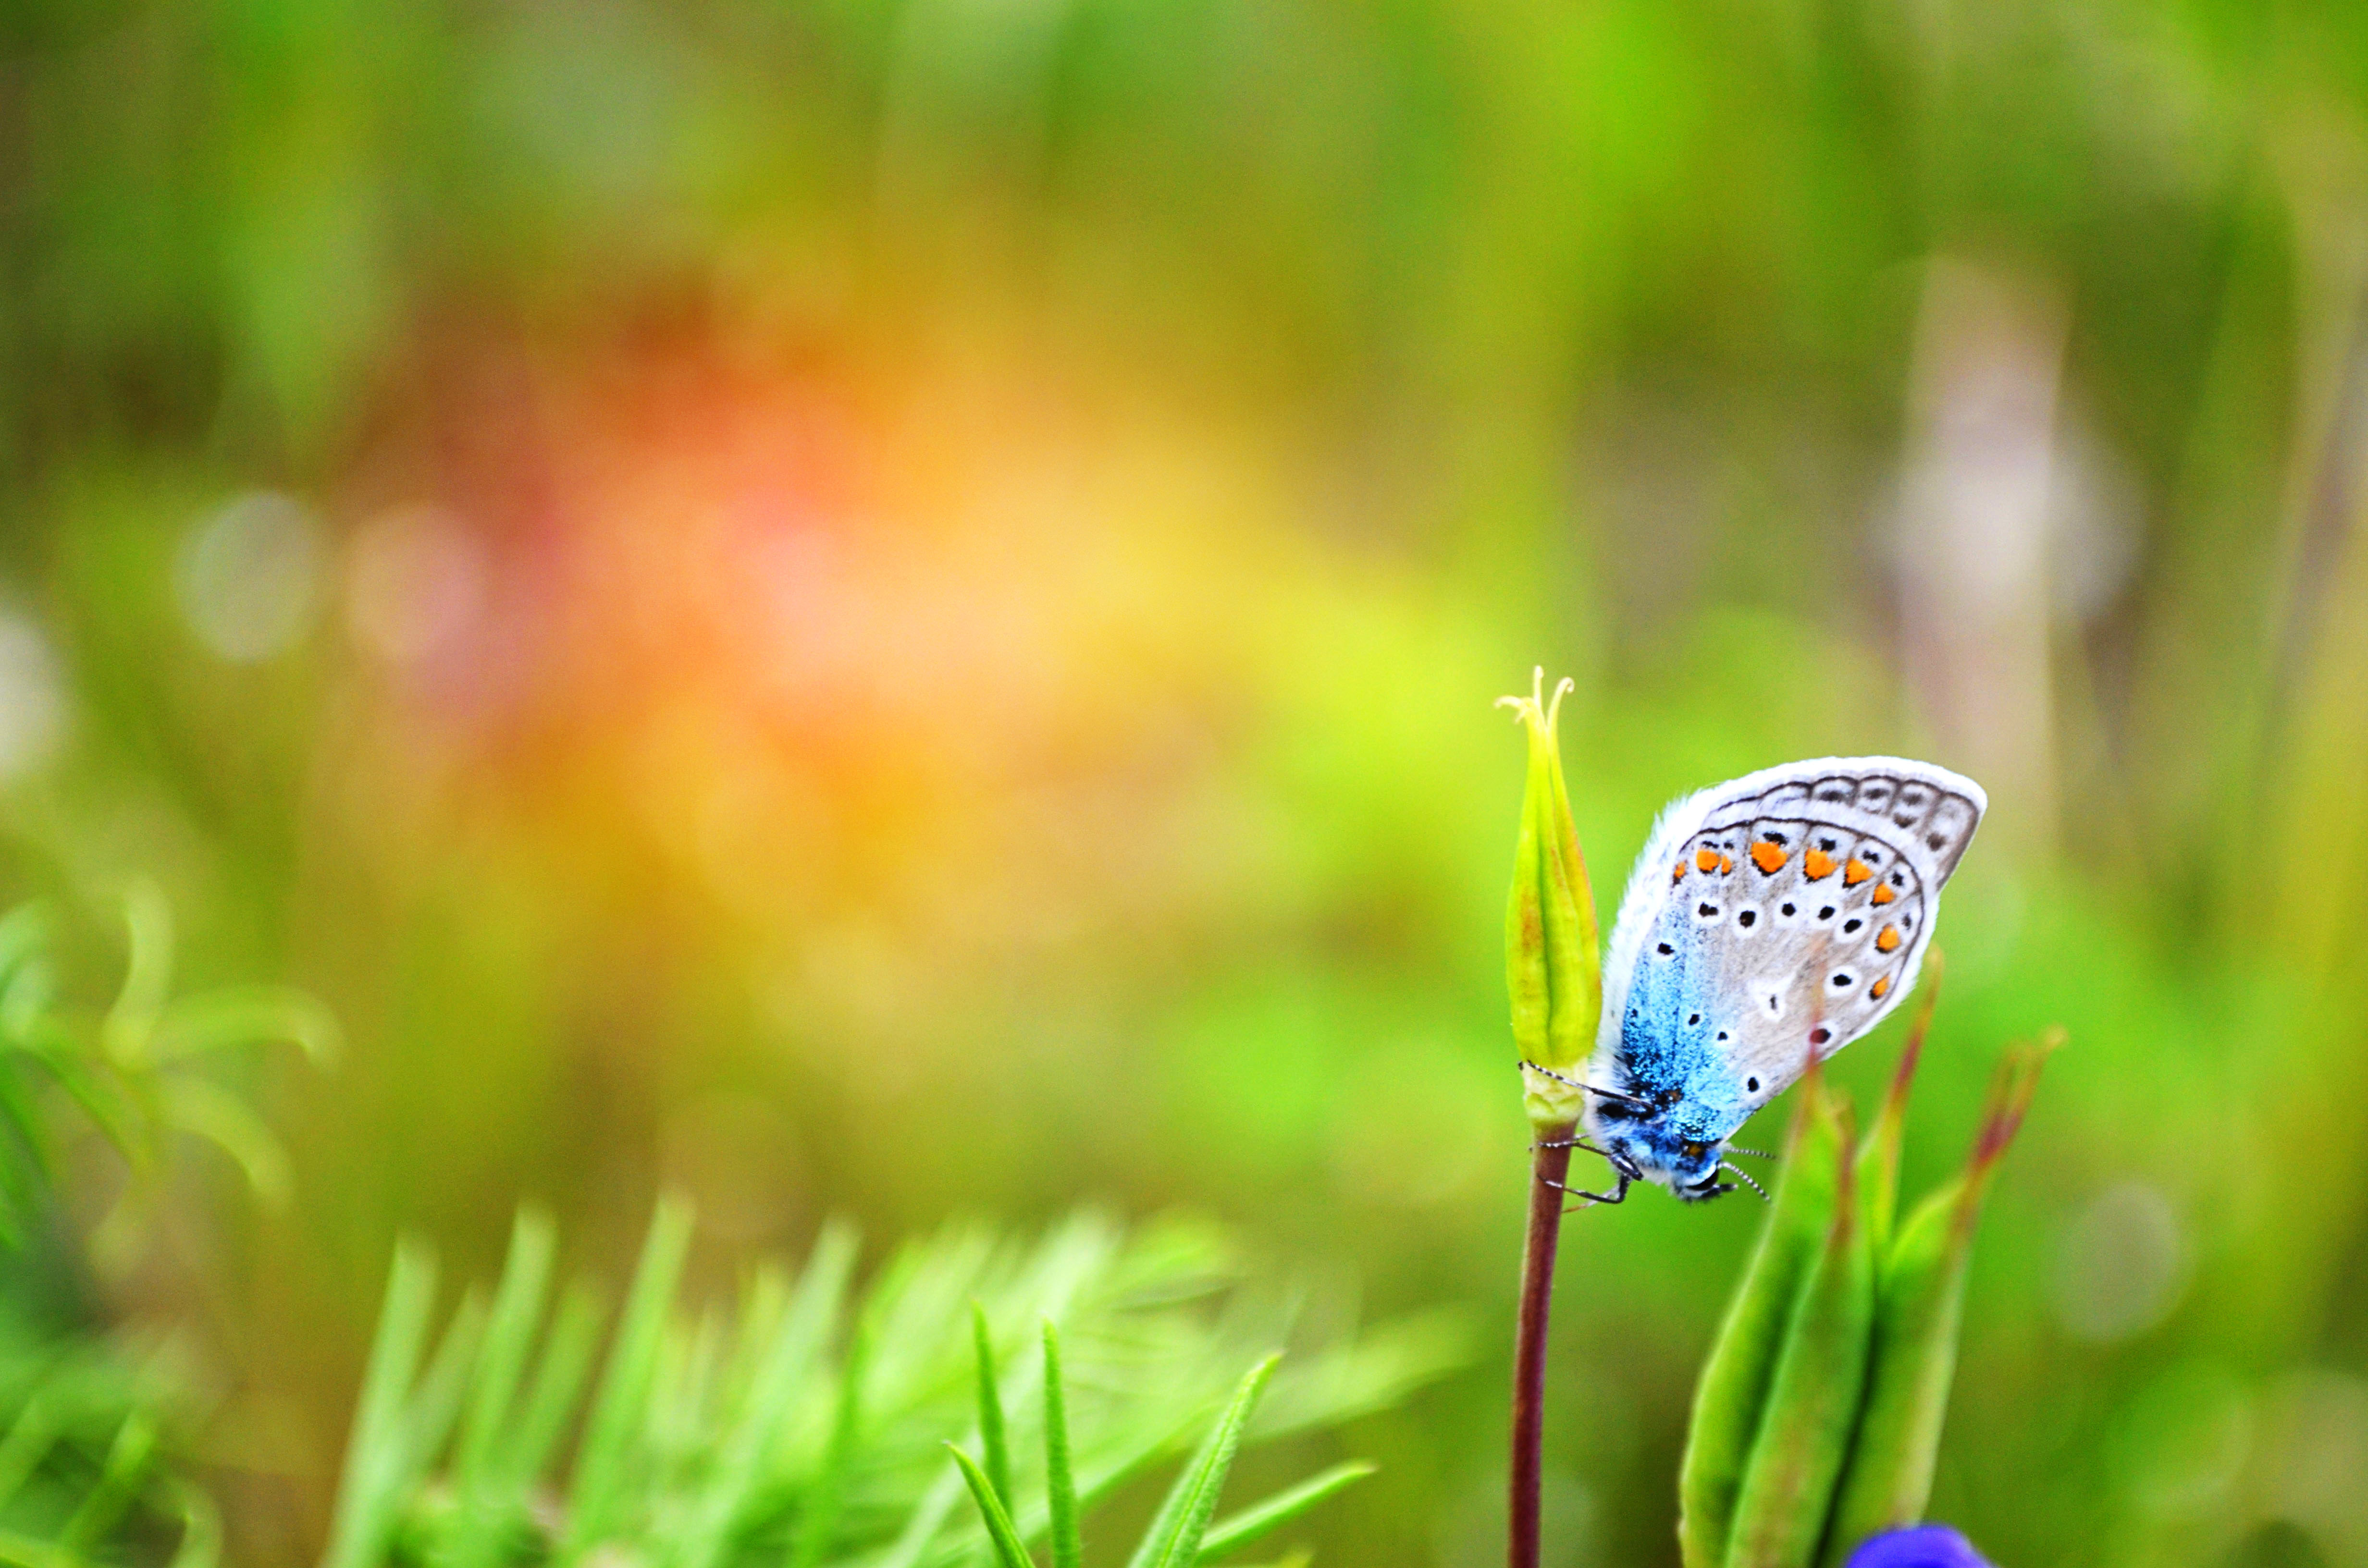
<point x="808" y="1425"/>
<point x="1818" y="1414"/>
<point x="97" y="1461"/>
<point x="891" y="610"/>
<point x="142" y="1075"/>
<point x="1183" y="1532"/>
<point x="87" y="1474"/>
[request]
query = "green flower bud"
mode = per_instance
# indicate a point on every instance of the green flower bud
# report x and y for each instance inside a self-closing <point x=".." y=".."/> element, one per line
<point x="1551" y="968"/>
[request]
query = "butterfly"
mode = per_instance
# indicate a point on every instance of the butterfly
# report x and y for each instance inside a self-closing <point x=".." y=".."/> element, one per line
<point x="1770" y="922"/>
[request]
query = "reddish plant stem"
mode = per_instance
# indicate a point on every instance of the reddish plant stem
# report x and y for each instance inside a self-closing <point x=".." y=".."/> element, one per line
<point x="1551" y="1167"/>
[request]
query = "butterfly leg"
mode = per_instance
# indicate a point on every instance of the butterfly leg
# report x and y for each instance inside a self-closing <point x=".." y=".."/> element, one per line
<point x="1619" y="1193"/>
<point x="1623" y="1171"/>
<point x="1617" y="1162"/>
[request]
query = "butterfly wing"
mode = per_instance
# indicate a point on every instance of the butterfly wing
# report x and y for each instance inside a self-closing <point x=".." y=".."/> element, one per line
<point x="1775" y="917"/>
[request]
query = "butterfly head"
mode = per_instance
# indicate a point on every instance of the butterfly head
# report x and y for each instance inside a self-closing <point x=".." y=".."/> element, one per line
<point x="1648" y="1142"/>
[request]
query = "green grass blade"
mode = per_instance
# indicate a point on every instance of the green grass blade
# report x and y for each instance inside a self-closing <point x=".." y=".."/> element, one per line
<point x="147" y="974"/>
<point x="1009" y="1553"/>
<point x="366" y="1499"/>
<point x="117" y="1485"/>
<point x="427" y="1421"/>
<point x="1060" y="1480"/>
<point x="31" y="1437"/>
<point x="1174" y="1539"/>
<point x="26" y="1001"/>
<point x="242" y="1016"/>
<point x="24" y="1119"/>
<point x="1878" y="1158"/>
<point x="1259" y="1520"/>
<point x="509" y="1340"/>
<point x="828" y="1496"/>
<point x="102" y="1100"/>
<point x="210" y="1111"/>
<point x="1804" y="1432"/>
<point x="1733" y="1389"/>
<point x="24" y="931"/>
<point x="990" y="1433"/>
<point x="604" y="1467"/>
<point x="787" y="1359"/>
<point x="1920" y="1308"/>
<point x="558" y="1380"/>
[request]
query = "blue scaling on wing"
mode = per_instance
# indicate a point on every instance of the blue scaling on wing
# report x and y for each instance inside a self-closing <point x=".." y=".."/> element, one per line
<point x="1673" y="1039"/>
<point x="1666" y="1037"/>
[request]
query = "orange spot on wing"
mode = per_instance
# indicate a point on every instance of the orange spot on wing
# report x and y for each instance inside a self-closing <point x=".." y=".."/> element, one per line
<point x="1888" y="940"/>
<point x="1879" y="987"/>
<point x="1884" y="895"/>
<point x="1855" y="873"/>
<point x="1679" y="874"/>
<point x="1818" y="864"/>
<point x="1767" y="857"/>
<point x="1725" y="865"/>
<point x="1706" y="859"/>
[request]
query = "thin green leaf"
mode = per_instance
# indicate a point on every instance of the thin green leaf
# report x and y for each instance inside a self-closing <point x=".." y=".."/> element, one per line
<point x="1732" y="1392"/>
<point x="1920" y="1305"/>
<point x="1878" y="1159"/>
<point x="1805" y="1431"/>
<point x="621" y="1409"/>
<point x="18" y="1109"/>
<point x="558" y="1380"/>
<point x="29" y="1438"/>
<point x="21" y="1551"/>
<point x="212" y="1112"/>
<point x="1005" y="1539"/>
<point x="1259" y="1520"/>
<point x="367" y="1497"/>
<point x="147" y="974"/>
<point x="428" y="1421"/>
<point x="26" y="1001"/>
<point x="509" y="1340"/>
<point x="828" y="1494"/>
<point x="117" y="1485"/>
<point x="990" y="1403"/>
<point x="241" y="1016"/>
<point x="1174" y="1539"/>
<point x="24" y="931"/>
<point x="788" y="1359"/>
<point x="1060" y="1482"/>
<point x="101" y="1100"/>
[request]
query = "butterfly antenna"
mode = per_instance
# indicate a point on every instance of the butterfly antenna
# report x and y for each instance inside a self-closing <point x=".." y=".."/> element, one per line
<point x="1739" y="1175"/>
<point x="1631" y="1101"/>
<point x="1755" y="1154"/>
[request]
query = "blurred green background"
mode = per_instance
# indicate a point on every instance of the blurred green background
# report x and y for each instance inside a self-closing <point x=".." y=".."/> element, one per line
<point x="892" y="611"/>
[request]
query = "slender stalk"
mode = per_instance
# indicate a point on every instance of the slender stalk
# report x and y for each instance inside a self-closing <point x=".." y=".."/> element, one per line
<point x="1553" y="1166"/>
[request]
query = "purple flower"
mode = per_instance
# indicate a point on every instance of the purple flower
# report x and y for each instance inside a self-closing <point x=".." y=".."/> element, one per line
<point x="1925" y="1546"/>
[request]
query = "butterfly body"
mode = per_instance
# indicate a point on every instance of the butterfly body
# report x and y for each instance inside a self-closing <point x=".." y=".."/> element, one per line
<point x="1770" y="922"/>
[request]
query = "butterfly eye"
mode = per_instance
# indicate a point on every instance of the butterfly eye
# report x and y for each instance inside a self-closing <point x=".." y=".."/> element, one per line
<point x="1694" y="1151"/>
